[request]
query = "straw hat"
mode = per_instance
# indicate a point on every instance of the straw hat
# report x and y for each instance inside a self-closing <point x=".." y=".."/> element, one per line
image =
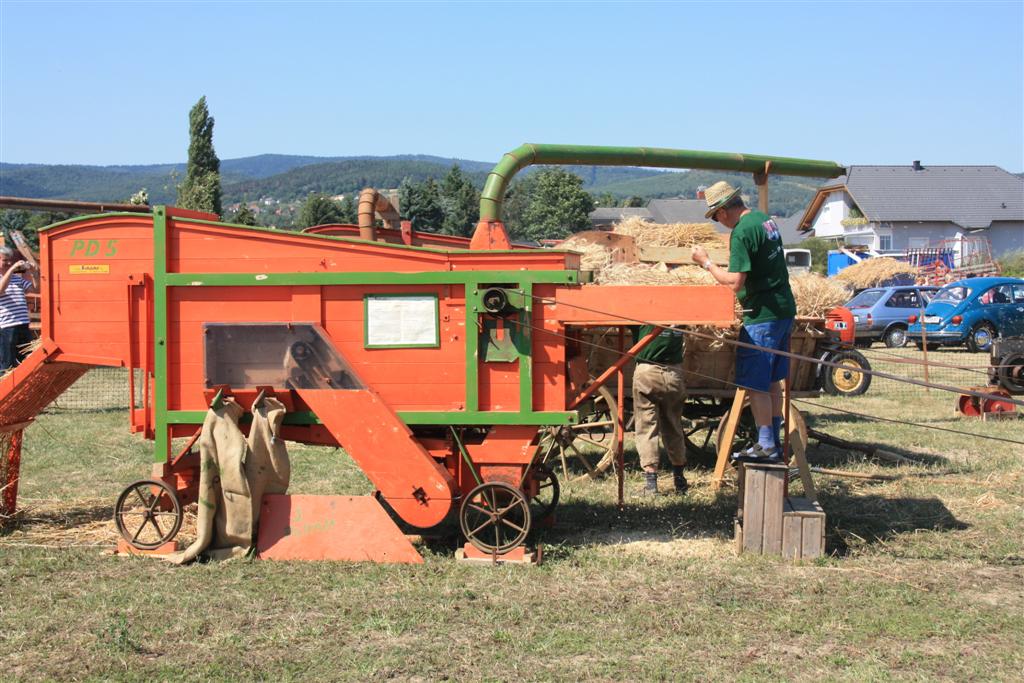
<point x="718" y="195"/>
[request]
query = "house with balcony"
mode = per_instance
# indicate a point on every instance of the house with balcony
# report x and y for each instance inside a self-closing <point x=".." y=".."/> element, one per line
<point x="893" y="209"/>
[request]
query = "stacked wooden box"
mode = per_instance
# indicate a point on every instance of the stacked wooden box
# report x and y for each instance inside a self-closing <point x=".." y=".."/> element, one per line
<point x="769" y="523"/>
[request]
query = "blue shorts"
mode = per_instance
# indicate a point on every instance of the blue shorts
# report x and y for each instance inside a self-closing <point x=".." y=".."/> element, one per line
<point x="756" y="369"/>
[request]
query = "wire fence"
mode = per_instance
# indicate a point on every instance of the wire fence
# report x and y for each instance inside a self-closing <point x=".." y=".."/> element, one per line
<point x="107" y="388"/>
<point x="99" y="389"/>
<point x="949" y="366"/>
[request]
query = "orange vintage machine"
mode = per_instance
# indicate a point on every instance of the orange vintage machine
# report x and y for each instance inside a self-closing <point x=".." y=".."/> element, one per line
<point x="432" y="366"/>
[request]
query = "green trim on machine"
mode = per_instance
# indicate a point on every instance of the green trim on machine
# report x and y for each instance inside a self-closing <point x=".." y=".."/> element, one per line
<point x="161" y="450"/>
<point x="449" y="418"/>
<point x="441" y="277"/>
<point x="525" y="346"/>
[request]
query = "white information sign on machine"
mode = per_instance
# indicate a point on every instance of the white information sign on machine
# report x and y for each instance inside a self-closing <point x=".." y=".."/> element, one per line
<point x="401" y="320"/>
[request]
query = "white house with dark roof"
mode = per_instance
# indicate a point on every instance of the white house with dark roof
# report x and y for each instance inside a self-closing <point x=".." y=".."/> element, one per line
<point x="895" y="208"/>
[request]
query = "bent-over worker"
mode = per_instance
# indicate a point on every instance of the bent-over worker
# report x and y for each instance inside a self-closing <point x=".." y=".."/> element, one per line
<point x="757" y="273"/>
<point x="659" y="393"/>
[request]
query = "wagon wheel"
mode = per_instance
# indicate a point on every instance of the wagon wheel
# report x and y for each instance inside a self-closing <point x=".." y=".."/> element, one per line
<point x="495" y="517"/>
<point x="545" y="500"/>
<point x="846" y="380"/>
<point x="586" y="449"/>
<point x="147" y="514"/>
<point x="746" y="430"/>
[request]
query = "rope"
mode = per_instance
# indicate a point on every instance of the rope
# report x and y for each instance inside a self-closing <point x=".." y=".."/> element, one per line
<point x="794" y="356"/>
<point x="734" y="385"/>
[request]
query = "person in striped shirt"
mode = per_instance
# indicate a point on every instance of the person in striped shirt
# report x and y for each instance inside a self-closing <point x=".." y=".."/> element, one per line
<point x="14" y="320"/>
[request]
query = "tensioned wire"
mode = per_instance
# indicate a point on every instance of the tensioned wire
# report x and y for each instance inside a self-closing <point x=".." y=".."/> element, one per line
<point x="901" y="360"/>
<point x="791" y="355"/>
<point x="875" y="373"/>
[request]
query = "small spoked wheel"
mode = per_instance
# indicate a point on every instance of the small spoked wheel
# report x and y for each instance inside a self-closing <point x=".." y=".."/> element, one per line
<point x="495" y="517"/>
<point x="148" y="514"/>
<point x="545" y="500"/>
<point x="584" y="450"/>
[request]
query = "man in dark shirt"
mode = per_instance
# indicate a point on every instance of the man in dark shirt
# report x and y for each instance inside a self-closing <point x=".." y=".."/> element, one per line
<point x="758" y="274"/>
<point x="659" y="391"/>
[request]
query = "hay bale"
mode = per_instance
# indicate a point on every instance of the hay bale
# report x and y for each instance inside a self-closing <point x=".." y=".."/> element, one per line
<point x="668" y="235"/>
<point x="816" y="295"/>
<point x="875" y="271"/>
<point x="593" y="256"/>
<point x="652" y="274"/>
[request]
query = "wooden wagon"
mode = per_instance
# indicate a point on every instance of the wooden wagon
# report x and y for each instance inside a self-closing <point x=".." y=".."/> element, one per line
<point x="586" y="450"/>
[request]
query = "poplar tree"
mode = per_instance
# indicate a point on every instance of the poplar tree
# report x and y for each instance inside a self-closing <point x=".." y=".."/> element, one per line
<point x="201" y="188"/>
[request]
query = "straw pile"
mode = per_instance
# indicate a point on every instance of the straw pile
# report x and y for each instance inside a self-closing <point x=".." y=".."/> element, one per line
<point x="815" y="295"/>
<point x="594" y="256"/>
<point x="670" y="235"/>
<point x="875" y="271"/>
<point x="652" y="274"/>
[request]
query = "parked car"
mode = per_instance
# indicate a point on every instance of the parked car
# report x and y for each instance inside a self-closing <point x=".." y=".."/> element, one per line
<point x="881" y="313"/>
<point x="972" y="312"/>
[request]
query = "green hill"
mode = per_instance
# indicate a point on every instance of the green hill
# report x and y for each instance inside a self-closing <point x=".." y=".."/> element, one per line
<point x="289" y="178"/>
<point x="787" y="194"/>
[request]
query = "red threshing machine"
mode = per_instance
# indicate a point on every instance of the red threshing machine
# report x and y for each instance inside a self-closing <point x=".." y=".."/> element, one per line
<point x="432" y="366"/>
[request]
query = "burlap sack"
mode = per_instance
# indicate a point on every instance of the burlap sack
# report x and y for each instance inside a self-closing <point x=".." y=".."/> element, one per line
<point x="267" y="468"/>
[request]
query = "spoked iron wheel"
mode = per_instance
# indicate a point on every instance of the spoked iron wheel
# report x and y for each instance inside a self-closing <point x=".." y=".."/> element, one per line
<point x="545" y="500"/>
<point x="587" y="449"/>
<point x="148" y="514"/>
<point x="495" y="517"/>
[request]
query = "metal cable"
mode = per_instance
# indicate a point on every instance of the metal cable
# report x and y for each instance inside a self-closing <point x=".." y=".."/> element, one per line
<point x="734" y="385"/>
<point x="794" y="356"/>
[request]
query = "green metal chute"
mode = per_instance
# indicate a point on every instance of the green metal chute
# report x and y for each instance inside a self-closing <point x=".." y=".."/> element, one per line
<point x="533" y="154"/>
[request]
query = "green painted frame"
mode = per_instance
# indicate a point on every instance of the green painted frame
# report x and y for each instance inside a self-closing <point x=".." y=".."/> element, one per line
<point x="366" y="320"/>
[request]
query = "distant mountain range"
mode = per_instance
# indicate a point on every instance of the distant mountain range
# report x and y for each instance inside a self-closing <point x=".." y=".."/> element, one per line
<point x="292" y="177"/>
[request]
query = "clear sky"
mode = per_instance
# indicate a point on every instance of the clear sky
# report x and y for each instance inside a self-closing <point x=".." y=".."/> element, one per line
<point x="858" y="83"/>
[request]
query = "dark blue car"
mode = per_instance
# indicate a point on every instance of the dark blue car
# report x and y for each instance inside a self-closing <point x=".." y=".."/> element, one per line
<point x="881" y="313"/>
<point x="972" y="312"/>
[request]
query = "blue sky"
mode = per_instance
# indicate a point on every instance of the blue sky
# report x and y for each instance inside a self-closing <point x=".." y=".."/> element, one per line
<point x="857" y="83"/>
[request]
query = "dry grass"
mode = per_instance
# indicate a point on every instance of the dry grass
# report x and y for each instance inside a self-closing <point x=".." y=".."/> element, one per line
<point x="873" y="272"/>
<point x="594" y="256"/>
<point x="668" y="235"/>
<point x="925" y="580"/>
<point x="652" y="274"/>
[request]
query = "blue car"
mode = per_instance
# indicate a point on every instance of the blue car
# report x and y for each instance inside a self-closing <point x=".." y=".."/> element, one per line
<point x="972" y="312"/>
<point x="881" y="313"/>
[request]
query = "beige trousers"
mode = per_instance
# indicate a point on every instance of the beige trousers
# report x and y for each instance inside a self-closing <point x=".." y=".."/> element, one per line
<point x="658" y="396"/>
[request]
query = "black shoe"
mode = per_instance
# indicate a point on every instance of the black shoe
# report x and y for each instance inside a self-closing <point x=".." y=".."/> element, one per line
<point x="758" y="454"/>
<point x="650" y="484"/>
<point x="679" y="480"/>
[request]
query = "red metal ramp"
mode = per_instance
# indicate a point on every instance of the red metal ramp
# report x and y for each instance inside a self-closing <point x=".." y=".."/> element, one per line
<point x="24" y="392"/>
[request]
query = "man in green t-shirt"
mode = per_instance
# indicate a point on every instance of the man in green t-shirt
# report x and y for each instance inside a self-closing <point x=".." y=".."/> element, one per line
<point x="757" y="273"/>
<point x="659" y="392"/>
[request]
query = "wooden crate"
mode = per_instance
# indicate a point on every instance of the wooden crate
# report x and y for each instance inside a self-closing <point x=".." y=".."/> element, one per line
<point x="769" y="523"/>
<point x="762" y="491"/>
<point x="803" y="529"/>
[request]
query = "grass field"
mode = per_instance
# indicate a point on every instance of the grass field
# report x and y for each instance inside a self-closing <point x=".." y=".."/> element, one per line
<point x="925" y="580"/>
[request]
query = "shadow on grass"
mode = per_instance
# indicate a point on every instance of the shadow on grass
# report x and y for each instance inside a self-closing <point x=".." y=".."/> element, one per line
<point x="854" y="520"/>
<point x="865" y="520"/>
<point x="56" y="520"/>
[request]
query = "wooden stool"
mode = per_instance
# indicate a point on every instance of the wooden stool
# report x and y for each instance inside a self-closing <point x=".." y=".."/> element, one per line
<point x="769" y="523"/>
